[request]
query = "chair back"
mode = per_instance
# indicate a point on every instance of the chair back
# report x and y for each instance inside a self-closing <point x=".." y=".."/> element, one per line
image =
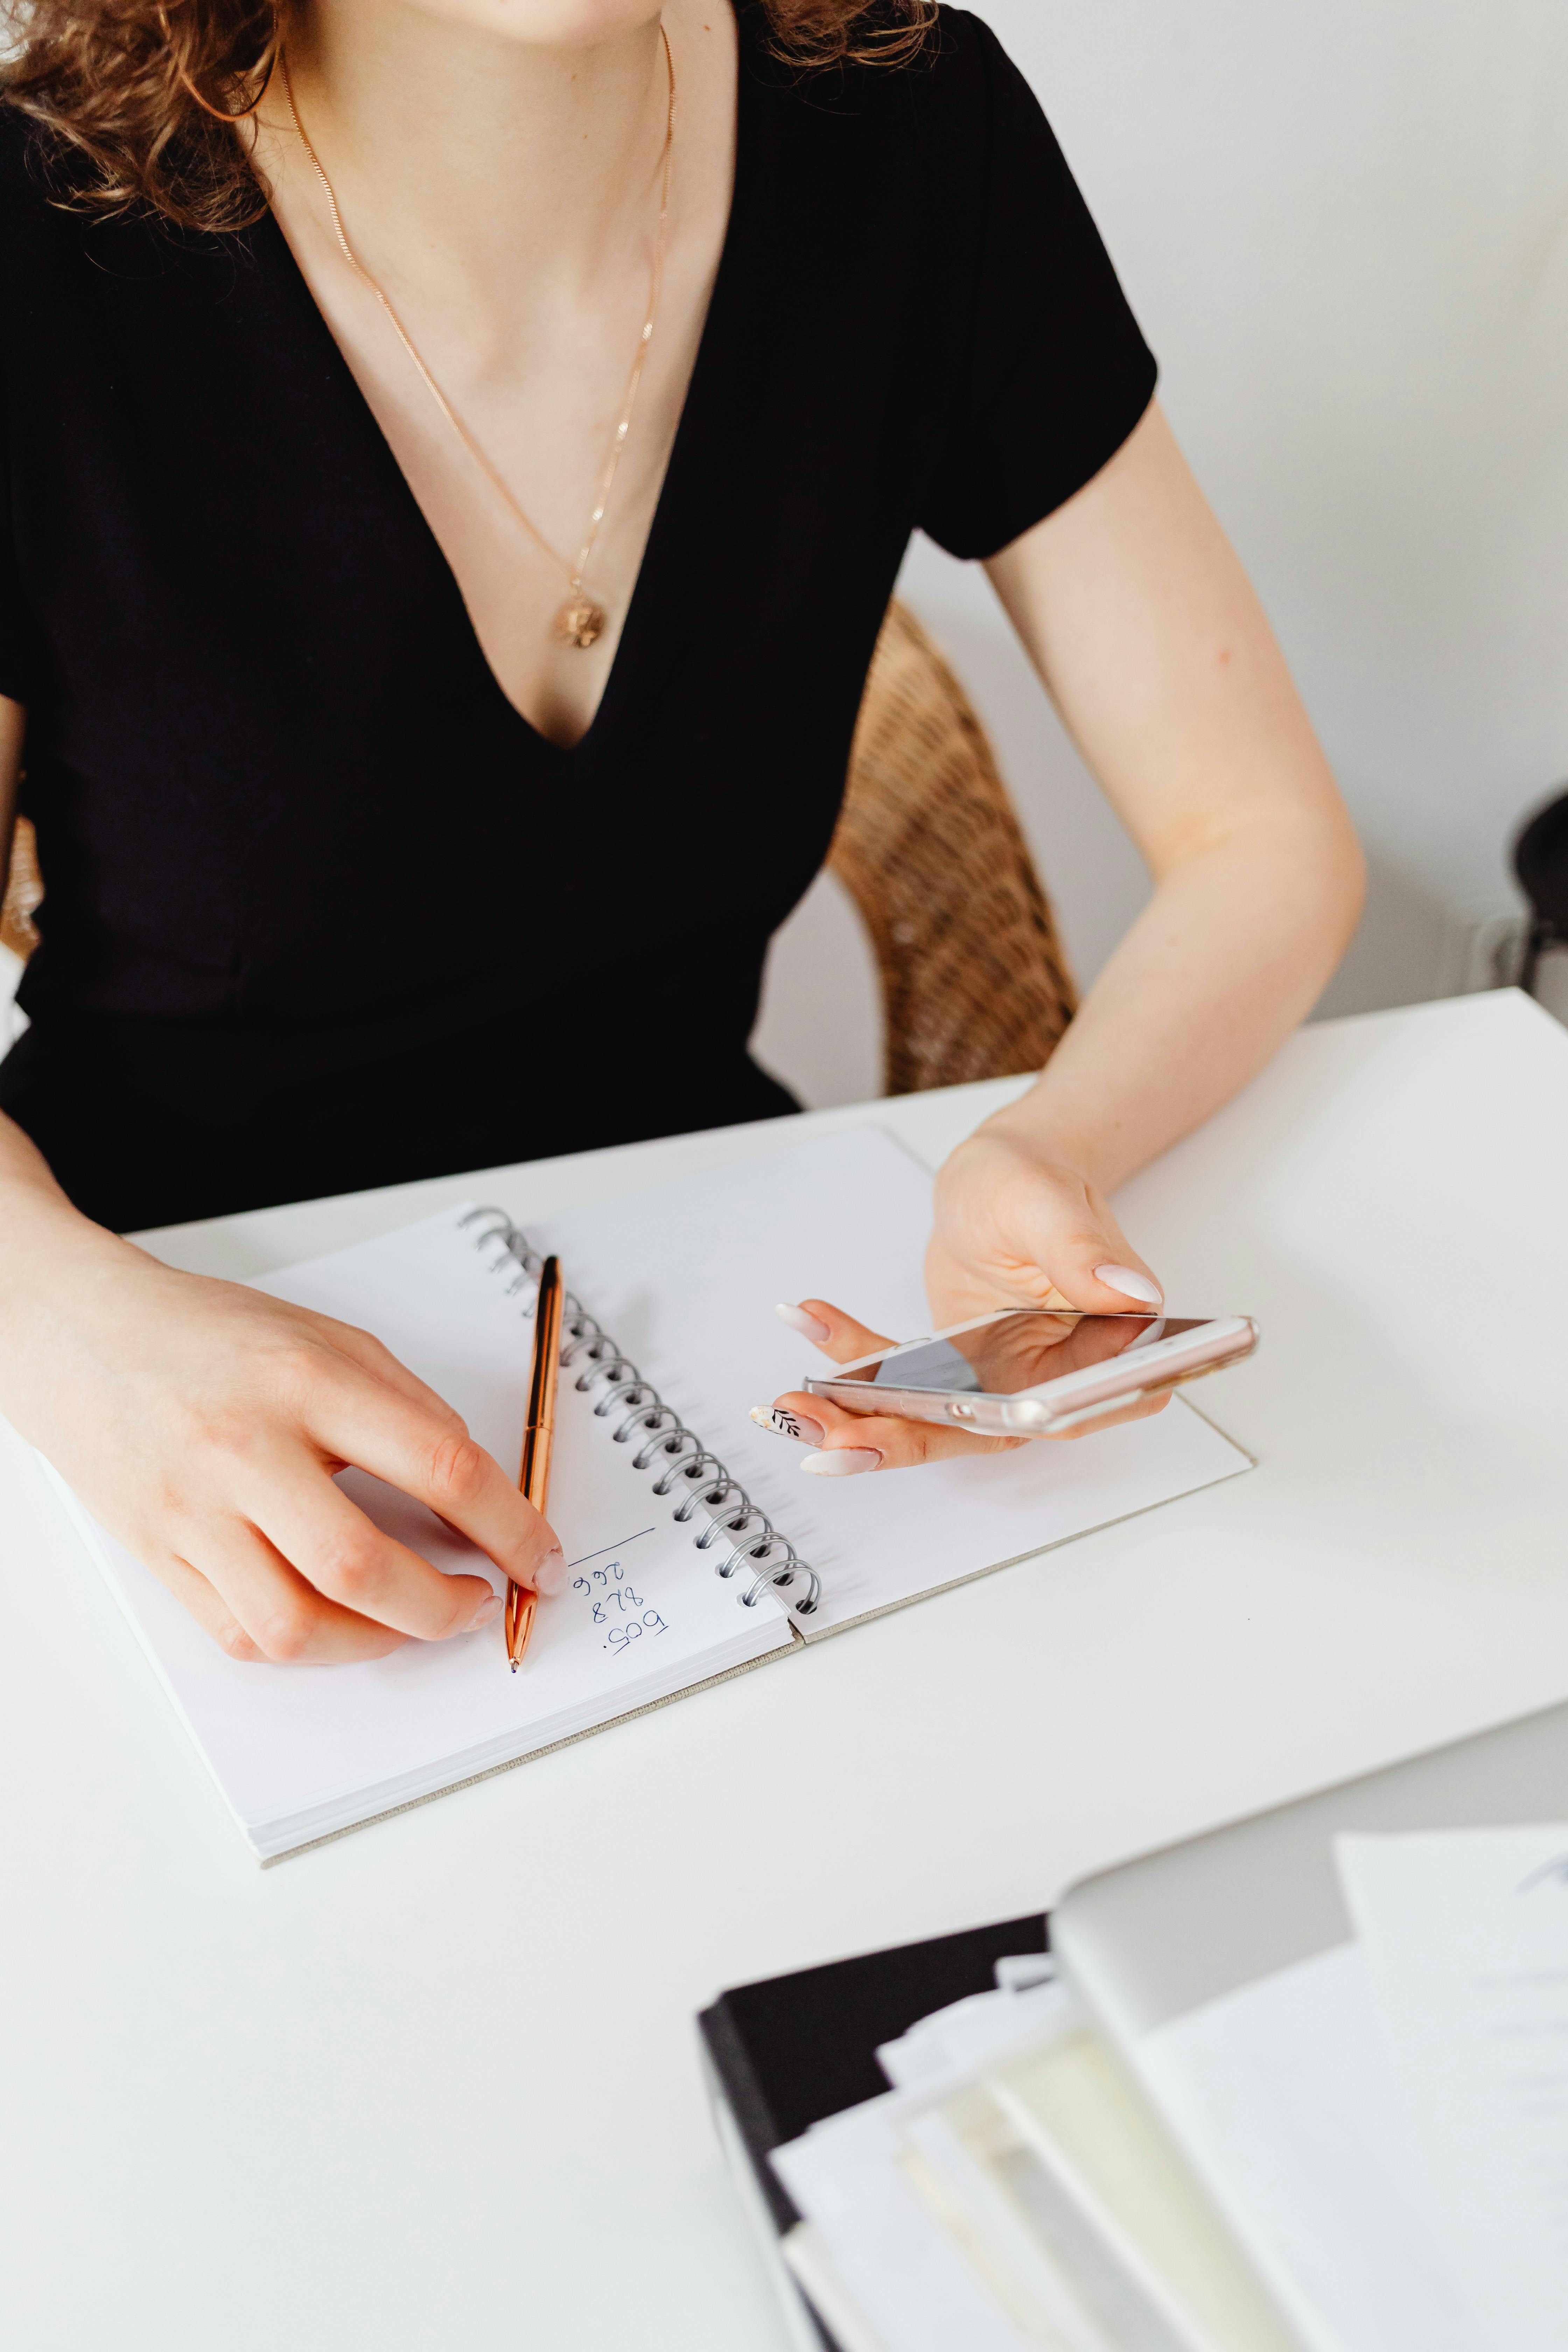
<point x="974" y="982"/>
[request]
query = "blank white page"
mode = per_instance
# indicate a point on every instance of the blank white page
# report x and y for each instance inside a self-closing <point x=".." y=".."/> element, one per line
<point x="1284" y="2098"/>
<point x="1466" y="1938"/>
<point x="686" y="1275"/>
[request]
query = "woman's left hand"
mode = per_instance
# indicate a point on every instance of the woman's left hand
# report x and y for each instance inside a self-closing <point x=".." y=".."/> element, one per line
<point x="1016" y="1228"/>
<point x="1013" y="1228"/>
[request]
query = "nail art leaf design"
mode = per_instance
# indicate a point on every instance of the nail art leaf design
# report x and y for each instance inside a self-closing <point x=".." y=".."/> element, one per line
<point x="778" y="1418"/>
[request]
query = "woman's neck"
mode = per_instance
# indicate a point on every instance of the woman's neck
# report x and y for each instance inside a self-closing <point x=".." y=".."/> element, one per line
<point x="493" y="167"/>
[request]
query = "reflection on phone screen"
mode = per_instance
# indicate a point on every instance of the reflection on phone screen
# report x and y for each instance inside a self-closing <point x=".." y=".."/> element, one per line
<point x="1011" y="1353"/>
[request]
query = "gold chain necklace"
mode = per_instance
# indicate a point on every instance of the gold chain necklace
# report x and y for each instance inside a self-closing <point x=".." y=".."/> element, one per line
<point x="581" y="620"/>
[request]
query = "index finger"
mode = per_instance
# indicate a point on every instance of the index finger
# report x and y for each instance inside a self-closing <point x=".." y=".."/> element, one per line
<point x="443" y="1468"/>
<point x="838" y="1335"/>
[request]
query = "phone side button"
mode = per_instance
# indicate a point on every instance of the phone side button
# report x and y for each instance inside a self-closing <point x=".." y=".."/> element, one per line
<point x="961" y="1412"/>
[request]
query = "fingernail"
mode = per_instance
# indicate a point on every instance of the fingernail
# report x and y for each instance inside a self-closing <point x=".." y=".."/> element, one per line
<point x="486" y="1612"/>
<point x="788" y="1424"/>
<point x="808" y="1326"/>
<point x="1131" y="1284"/>
<point x="550" y="1576"/>
<point x="844" y="1462"/>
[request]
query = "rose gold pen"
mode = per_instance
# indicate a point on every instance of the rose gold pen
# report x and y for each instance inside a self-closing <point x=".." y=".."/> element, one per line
<point x="538" y="1434"/>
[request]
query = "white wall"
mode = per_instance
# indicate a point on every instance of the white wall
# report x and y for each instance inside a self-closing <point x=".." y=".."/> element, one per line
<point x="1344" y="227"/>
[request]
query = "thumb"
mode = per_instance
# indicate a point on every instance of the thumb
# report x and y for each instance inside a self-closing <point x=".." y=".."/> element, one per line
<point x="1093" y="1268"/>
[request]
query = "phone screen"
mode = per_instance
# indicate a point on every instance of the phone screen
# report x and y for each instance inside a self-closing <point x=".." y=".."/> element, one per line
<point x="1014" y="1352"/>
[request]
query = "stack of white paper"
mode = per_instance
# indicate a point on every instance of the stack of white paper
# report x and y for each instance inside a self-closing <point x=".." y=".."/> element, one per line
<point x="1385" y="2125"/>
<point x="1013" y="2193"/>
<point x="1365" y="2152"/>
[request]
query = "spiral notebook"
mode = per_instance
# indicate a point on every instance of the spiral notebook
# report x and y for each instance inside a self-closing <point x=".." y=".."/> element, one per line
<point x="695" y="1549"/>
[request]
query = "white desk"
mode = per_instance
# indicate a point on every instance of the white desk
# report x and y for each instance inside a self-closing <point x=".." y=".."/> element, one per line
<point x="285" y="2111"/>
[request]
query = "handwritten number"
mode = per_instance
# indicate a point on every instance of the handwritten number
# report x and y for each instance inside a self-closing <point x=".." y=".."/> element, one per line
<point x="615" y="1604"/>
<point x="622" y="1637"/>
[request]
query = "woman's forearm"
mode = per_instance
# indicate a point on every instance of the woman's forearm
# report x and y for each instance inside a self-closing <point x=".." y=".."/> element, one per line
<point x="12" y="728"/>
<point x="1140" y="619"/>
<point x="1229" y="955"/>
<point x="42" y="1237"/>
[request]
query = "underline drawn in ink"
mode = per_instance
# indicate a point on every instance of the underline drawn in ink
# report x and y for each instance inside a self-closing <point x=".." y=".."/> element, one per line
<point x="614" y="1547"/>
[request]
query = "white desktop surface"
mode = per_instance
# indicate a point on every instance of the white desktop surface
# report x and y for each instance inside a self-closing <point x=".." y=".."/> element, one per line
<point x="434" y="2088"/>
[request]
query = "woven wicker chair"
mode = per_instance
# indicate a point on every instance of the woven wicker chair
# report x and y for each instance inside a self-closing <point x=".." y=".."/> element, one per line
<point x="974" y="984"/>
<point x="974" y="981"/>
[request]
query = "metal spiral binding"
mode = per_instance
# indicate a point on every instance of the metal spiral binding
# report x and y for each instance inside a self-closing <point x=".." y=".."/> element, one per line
<point x="753" y="1540"/>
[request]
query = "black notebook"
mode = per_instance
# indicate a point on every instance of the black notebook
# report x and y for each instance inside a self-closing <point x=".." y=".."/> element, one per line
<point x="791" y="2051"/>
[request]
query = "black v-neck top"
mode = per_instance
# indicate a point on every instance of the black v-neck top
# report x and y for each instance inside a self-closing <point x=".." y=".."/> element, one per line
<point x="323" y="911"/>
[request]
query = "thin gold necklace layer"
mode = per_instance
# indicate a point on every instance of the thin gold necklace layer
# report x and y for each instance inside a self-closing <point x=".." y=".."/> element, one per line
<point x="581" y="619"/>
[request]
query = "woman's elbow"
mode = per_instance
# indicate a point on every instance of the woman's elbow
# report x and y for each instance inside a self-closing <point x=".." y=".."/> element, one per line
<point x="1339" y="867"/>
<point x="1306" y="873"/>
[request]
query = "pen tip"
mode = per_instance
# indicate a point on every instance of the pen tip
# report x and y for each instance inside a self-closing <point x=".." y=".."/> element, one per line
<point x="514" y="1665"/>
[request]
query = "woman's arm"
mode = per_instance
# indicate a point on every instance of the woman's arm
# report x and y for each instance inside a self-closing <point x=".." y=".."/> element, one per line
<point x="1140" y="622"/>
<point x="1144" y="627"/>
<point x="13" y="726"/>
<point x="202" y="1423"/>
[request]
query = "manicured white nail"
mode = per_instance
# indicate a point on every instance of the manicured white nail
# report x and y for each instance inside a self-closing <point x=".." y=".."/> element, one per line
<point x="807" y="1324"/>
<point x="1131" y="1284"/>
<point x="844" y="1462"/>
<point x="788" y="1424"/>
<point x="550" y="1576"/>
<point x="486" y="1612"/>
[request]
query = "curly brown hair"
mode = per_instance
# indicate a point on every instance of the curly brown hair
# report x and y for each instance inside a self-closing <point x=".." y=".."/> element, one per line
<point x="139" y="95"/>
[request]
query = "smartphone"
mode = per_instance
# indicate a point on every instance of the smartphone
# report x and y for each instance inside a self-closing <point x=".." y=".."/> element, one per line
<point x="1035" y="1371"/>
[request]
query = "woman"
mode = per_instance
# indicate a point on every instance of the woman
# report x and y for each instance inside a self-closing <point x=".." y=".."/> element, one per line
<point x="452" y="509"/>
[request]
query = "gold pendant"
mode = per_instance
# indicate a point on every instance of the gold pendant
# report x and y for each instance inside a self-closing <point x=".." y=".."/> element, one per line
<point x="580" y="622"/>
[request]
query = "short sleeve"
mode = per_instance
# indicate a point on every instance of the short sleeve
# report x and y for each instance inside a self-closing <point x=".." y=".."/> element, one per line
<point x="1055" y="372"/>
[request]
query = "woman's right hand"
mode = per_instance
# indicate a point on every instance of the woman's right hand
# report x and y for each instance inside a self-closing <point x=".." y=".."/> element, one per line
<point x="200" y="1424"/>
